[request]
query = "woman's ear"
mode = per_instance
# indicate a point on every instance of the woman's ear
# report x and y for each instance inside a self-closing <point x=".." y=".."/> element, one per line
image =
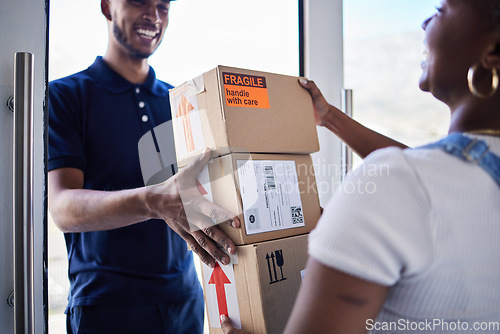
<point x="491" y="61"/>
<point x="492" y="58"/>
<point x="105" y="9"/>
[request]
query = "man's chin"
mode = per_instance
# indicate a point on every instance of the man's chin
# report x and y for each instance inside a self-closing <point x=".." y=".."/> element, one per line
<point x="141" y="56"/>
<point x="138" y="54"/>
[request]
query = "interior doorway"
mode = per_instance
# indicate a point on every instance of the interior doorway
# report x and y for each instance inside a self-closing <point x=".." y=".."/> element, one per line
<point x="261" y="35"/>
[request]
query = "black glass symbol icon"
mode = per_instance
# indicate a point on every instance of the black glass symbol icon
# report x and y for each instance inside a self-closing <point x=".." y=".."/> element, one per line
<point x="274" y="260"/>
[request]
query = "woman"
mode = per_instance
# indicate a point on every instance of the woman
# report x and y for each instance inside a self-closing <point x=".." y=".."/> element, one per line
<point x="421" y="253"/>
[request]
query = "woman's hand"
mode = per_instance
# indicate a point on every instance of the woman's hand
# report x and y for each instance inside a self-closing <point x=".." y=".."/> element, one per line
<point x="227" y="326"/>
<point x="359" y="138"/>
<point x="321" y="107"/>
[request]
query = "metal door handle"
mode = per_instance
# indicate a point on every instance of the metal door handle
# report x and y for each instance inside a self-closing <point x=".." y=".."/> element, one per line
<point x="22" y="194"/>
<point x="10" y="103"/>
<point x="10" y="299"/>
<point x="346" y="151"/>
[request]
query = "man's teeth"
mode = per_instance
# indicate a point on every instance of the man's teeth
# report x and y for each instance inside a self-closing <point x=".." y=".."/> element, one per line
<point x="146" y="33"/>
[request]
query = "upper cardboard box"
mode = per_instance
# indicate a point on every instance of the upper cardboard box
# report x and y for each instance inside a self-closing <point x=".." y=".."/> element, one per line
<point x="236" y="110"/>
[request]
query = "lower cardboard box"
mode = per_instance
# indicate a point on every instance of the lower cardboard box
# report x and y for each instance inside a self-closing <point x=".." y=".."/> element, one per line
<point x="258" y="288"/>
<point x="274" y="195"/>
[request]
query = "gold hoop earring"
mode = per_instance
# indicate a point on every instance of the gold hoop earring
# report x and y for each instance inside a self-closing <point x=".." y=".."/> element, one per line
<point x="473" y="89"/>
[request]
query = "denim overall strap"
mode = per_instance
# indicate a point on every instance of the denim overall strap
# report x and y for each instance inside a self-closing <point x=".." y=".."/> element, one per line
<point x="472" y="150"/>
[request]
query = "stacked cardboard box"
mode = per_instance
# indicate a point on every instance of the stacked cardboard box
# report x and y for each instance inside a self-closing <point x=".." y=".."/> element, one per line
<point x="235" y="110"/>
<point x="261" y="129"/>
<point x="259" y="287"/>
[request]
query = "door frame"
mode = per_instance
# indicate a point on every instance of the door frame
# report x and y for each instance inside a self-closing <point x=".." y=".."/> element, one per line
<point x="323" y="62"/>
<point x="26" y="22"/>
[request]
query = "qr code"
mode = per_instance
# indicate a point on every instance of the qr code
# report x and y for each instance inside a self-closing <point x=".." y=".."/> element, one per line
<point x="297" y="216"/>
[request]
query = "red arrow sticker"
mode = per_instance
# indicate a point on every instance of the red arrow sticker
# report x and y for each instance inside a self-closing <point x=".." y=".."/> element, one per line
<point x="201" y="189"/>
<point x="220" y="293"/>
<point x="219" y="278"/>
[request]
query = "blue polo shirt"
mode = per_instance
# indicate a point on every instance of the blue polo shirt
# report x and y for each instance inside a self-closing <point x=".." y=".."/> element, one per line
<point x="96" y="120"/>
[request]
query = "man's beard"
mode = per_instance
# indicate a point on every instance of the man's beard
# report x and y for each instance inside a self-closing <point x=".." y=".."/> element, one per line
<point x="120" y="37"/>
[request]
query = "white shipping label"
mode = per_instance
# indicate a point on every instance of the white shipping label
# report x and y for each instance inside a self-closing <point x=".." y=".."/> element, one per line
<point x="219" y="282"/>
<point x="220" y="294"/>
<point x="203" y="186"/>
<point x="302" y="275"/>
<point x="203" y="183"/>
<point x="186" y="120"/>
<point x="270" y="194"/>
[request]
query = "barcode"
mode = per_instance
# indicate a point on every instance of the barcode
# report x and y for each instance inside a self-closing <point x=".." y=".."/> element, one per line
<point x="297" y="217"/>
<point x="269" y="173"/>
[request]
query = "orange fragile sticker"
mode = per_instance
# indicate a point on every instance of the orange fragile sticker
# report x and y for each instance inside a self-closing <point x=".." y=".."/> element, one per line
<point x="243" y="90"/>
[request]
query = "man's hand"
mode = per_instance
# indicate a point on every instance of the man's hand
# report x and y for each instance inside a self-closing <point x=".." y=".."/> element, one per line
<point x="187" y="212"/>
<point x="227" y="327"/>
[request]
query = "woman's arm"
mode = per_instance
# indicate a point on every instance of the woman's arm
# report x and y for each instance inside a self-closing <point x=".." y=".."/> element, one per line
<point x="359" y="138"/>
<point x="330" y="301"/>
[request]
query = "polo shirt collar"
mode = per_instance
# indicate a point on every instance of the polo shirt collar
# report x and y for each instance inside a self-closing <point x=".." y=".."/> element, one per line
<point x="115" y="83"/>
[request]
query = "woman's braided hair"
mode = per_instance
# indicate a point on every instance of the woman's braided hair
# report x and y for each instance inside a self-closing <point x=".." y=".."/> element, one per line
<point x="491" y="9"/>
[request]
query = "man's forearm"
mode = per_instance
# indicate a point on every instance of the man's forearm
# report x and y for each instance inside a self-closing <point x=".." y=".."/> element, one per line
<point x="82" y="210"/>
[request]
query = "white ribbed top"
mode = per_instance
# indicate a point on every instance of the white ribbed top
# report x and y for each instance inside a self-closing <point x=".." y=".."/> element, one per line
<point x="425" y="223"/>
